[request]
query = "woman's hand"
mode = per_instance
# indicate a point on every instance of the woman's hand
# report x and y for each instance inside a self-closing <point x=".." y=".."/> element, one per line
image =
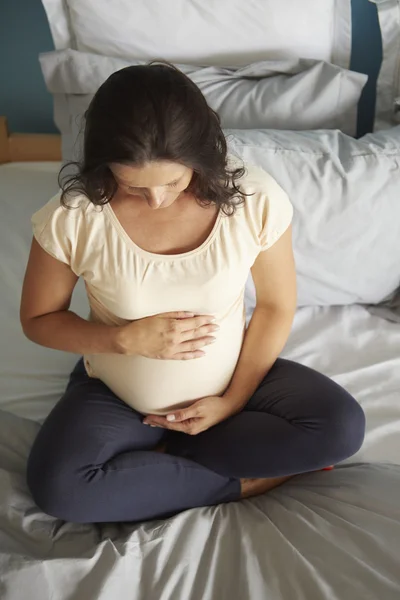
<point x="198" y="417"/>
<point x="168" y="336"/>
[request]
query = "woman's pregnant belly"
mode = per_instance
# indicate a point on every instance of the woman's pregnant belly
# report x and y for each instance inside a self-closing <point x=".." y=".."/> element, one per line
<point x="153" y="386"/>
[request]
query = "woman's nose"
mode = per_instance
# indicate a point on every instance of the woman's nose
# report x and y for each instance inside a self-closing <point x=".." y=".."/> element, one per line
<point x="155" y="198"/>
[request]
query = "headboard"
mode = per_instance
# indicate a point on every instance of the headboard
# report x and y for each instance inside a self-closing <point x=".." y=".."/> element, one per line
<point x="28" y="146"/>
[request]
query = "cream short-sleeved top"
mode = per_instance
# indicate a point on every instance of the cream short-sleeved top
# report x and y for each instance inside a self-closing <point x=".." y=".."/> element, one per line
<point x="125" y="283"/>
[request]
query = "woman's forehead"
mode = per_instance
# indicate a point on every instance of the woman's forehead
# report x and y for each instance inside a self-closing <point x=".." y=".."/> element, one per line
<point x="152" y="174"/>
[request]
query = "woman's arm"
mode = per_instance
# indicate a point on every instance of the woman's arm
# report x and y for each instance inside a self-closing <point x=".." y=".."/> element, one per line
<point x="44" y="314"/>
<point x="275" y="282"/>
<point x="47" y="320"/>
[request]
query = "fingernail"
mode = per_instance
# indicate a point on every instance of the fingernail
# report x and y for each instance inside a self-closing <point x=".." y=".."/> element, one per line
<point x="170" y="417"/>
<point x="153" y="425"/>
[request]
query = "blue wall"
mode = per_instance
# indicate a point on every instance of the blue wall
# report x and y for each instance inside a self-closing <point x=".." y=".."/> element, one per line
<point x="24" y="33"/>
<point x="24" y="100"/>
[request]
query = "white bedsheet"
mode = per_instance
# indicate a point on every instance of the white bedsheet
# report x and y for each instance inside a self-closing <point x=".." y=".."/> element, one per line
<point x="358" y="350"/>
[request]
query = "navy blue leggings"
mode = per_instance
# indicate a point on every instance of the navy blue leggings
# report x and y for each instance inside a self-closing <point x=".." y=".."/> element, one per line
<point x="93" y="458"/>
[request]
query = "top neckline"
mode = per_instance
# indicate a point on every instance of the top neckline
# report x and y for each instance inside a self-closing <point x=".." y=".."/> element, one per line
<point x="153" y="255"/>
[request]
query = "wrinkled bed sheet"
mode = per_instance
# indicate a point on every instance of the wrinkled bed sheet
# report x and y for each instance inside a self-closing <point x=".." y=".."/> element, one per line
<point x="328" y="535"/>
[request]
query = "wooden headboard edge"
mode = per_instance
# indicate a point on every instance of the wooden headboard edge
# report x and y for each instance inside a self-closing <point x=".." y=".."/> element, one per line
<point x="22" y="147"/>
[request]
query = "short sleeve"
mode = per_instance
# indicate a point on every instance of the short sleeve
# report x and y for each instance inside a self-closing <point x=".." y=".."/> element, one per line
<point x="54" y="228"/>
<point x="277" y="215"/>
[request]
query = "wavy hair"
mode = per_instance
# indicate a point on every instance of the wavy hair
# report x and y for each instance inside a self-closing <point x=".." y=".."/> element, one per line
<point x="150" y="113"/>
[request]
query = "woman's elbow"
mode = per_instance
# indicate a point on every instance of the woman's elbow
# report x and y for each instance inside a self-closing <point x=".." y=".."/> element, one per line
<point x="27" y="327"/>
<point x="284" y="311"/>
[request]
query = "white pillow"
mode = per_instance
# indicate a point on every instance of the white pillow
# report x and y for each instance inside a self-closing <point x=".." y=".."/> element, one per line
<point x="295" y="94"/>
<point x="388" y="85"/>
<point x="345" y="193"/>
<point x="212" y="32"/>
<point x="60" y="24"/>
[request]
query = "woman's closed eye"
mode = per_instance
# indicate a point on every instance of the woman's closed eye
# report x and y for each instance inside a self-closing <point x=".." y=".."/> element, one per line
<point x="135" y="189"/>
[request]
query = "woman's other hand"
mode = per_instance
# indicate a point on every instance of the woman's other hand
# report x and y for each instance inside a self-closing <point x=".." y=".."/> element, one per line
<point x="168" y="336"/>
<point x="198" y="417"/>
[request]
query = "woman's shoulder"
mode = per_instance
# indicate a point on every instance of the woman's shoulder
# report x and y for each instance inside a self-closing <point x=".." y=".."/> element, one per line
<point x="260" y="189"/>
<point x="266" y="207"/>
<point x="74" y="206"/>
<point x="62" y="228"/>
<point x="256" y="182"/>
<point x="76" y="209"/>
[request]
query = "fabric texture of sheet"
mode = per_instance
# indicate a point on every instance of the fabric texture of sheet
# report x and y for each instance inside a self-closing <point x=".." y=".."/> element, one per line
<point x="284" y="94"/>
<point x="345" y="195"/>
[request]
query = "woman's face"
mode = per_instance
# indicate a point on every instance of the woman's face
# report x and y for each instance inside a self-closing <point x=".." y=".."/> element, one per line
<point x="157" y="183"/>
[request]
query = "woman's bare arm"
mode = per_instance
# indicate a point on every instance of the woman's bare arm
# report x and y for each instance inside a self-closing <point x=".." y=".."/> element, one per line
<point x="274" y="277"/>
<point x="45" y="315"/>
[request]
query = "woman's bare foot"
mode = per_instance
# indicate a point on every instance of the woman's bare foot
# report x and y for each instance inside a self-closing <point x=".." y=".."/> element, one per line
<point x="255" y="487"/>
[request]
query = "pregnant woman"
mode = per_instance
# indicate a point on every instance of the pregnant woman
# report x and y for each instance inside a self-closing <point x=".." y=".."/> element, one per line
<point x="174" y="404"/>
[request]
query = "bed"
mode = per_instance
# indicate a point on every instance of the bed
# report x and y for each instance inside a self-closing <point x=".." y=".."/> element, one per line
<point x="324" y="535"/>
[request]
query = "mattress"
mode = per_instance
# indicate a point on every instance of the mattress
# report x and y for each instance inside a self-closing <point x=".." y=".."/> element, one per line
<point x="327" y="535"/>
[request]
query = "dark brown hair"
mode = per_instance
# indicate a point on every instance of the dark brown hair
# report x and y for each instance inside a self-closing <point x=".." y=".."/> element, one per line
<point x="148" y="113"/>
